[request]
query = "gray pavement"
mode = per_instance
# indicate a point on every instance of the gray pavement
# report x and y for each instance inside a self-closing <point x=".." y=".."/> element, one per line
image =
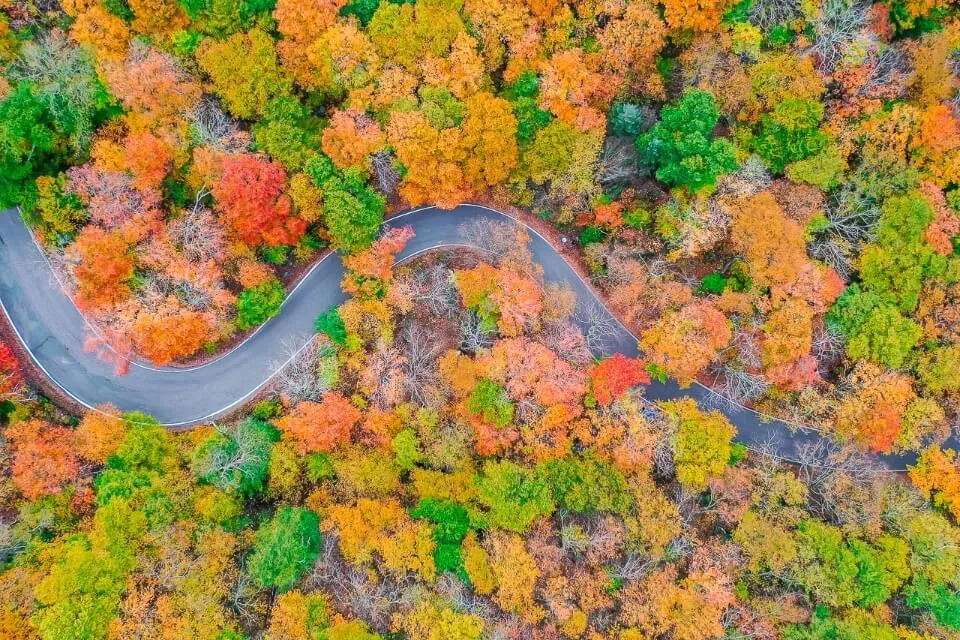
<point x="53" y="331"/>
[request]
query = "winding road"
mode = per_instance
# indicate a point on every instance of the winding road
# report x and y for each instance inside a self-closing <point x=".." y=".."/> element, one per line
<point x="53" y="330"/>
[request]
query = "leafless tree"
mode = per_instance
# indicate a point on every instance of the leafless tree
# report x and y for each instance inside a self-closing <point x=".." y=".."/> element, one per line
<point x="528" y="411"/>
<point x="385" y="173"/>
<point x="854" y="489"/>
<point x="373" y="601"/>
<point x="604" y="619"/>
<point x="13" y="539"/>
<point x="574" y="540"/>
<point x="745" y="345"/>
<point x="766" y="462"/>
<point x="754" y="170"/>
<point x="838" y="25"/>
<point x="475" y="337"/>
<point x="835" y="252"/>
<point x="198" y="233"/>
<point x="421" y="355"/>
<point x="854" y="500"/>
<point x="433" y="288"/>
<point x="901" y="503"/>
<point x="663" y="464"/>
<point x="741" y="622"/>
<point x="954" y="103"/>
<point x="738" y="385"/>
<point x="384" y="377"/>
<point x="953" y="63"/>
<point x="244" y="597"/>
<point x="227" y="465"/>
<point x="213" y="127"/>
<point x="820" y="459"/>
<point x="634" y="566"/>
<point x="20" y="392"/>
<point x="351" y="586"/>
<point x="681" y="546"/>
<point x="606" y="539"/>
<point x="689" y="505"/>
<point x="851" y="220"/>
<point x="62" y="79"/>
<point x="750" y="178"/>
<point x="112" y="196"/>
<point x="504" y="241"/>
<point x="567" y="341"/>
<point x="618" y="161"/>
<point x="827" y="344"/>
<point x="463" y="599"/>
<point x="192" y="295"/>
<point x="622" y="267"/>
<point x="852" y="215"/>
<point x="599" y="327"/>
<point x="61" y="269"/>
<point x="154" y="287"/>
<point x="298" y="375"/>
<point x="890" y="68"/>
<point x="767" y="14"/>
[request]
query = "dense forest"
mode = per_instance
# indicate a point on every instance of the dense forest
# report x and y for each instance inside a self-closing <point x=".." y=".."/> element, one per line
<point x="767" y="192"/>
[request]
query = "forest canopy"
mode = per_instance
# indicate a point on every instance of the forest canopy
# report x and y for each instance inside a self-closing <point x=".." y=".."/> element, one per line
<point x="765" y="192"/>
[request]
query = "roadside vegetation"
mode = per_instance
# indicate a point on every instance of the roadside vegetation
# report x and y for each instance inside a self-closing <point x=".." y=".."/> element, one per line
<point x="449" y="459"/>
<point x="767" y="192"/>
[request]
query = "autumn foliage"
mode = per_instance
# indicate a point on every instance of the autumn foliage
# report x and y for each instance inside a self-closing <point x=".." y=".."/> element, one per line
<point x="10" y="376"/>
<point x="250" y="200"/>
<point x="685" y="341"/>
<point x="762" y="195"/>
<point x="171" y="333"/>
<point x="105" y="266"/>
<point x="937" y="476"/>
<point x="100" y="433"/>
<point x="321" y="426"/>
<point x="351" y="138"/>
<point x="612" y="377"/>
<point x="44" y="458"/>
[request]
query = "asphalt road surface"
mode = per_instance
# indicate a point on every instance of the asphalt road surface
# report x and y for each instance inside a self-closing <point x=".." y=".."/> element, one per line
<point x="53" y="331"/>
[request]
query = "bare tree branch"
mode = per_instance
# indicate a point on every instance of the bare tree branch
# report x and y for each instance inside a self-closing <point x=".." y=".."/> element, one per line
<point x="299" y="375"/>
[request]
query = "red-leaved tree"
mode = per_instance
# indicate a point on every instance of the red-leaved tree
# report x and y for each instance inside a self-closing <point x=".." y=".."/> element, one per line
<point x="10" y="378"/>
<point x="611" y="378"/>
<point x="251" y="201"/>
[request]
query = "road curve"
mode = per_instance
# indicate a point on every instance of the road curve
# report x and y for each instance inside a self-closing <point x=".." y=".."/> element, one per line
<point x="52" y="330"/>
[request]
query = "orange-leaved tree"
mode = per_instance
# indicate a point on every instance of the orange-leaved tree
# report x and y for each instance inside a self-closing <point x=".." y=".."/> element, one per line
<point x="531" y="371"/>
<point x="501" y="296"/>
<point x="882" y="411"/>
<point x="100" y="433"/>
<point x="320" y="427"/>
<point x="684" y="342"/>
<point x="384" y="528"/>
<point x="351" y="137"/>
<point x="104" y="267"/>
<point x="694" y="15"/>
<point x="612" y="377"/>
<point x="250" y="199"/>
<point x="937" y="476"/>
<point x="772" y="243"/>
<point x="172" y="331"/>
<point x="369" y="272"/>
<point x="43" y="457"/>
<point x="152" y="86"/>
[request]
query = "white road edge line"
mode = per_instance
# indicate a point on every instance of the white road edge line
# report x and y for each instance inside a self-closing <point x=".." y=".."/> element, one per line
<point x="387" y="223"/>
